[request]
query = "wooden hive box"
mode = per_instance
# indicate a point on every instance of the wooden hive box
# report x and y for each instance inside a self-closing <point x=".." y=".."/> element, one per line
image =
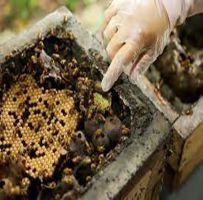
<point x="186" y="146"/>
<point x="137" y="170"/>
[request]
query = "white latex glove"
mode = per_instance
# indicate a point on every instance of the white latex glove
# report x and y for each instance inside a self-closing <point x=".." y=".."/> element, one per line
<point x="136" y="32"/>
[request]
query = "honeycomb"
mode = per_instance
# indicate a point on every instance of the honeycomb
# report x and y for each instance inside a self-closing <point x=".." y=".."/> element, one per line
<point x="36" y="126"/>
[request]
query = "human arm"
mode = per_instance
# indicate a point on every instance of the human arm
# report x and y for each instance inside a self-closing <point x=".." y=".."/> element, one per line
<point x="137" y="31"/>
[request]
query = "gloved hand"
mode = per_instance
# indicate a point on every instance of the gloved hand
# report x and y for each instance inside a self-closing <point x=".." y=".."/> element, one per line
<point x="136" y="32"/>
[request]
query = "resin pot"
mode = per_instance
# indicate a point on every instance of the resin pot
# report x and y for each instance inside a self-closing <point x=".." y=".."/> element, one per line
<point x="61" y="136"/>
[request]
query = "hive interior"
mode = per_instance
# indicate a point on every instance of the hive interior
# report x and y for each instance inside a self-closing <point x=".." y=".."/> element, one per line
<point x="58" y="129"/>
<point x="178" y="72"/>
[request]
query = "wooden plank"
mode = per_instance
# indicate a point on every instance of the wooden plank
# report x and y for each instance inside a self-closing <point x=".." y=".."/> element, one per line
<point x="155" y="194"/>
<point x="192" y="147"/>
<point x="175" y="150"/>
<point x="140" y="189"/>
<point x="182" y="175"/>
<point x="146" y="186"/>
<point x="191" y="157"/>
<point x="157" y="171"/>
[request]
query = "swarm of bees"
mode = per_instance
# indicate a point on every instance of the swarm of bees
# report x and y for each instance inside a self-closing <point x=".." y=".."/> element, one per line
<point x="58" y="128"/>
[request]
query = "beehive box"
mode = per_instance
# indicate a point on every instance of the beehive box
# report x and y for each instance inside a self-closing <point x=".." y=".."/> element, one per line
<point x="61" y="136"/>
<point x="182" y="75"/>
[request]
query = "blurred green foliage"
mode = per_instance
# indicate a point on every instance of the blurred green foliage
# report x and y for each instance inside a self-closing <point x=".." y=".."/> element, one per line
<point x="21" y="8"/>
<point x="16" y="14"/>
<point x="71" y="4"/>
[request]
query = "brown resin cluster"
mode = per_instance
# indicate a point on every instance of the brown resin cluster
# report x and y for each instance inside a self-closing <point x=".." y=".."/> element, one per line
<point x="37" y="125"/>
